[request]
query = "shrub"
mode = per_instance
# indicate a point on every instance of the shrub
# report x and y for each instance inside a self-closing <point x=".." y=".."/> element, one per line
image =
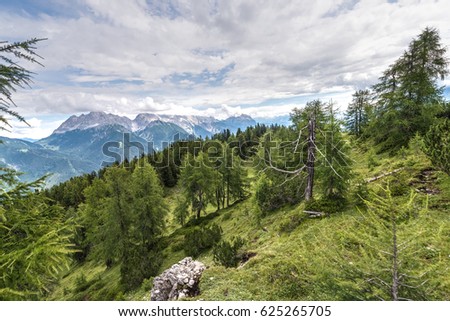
<point x="361" y="193"/>
<point x="437" y="145"/>
<point x="226" y="253"/>
<point x="138" y="264"/>
<point x="326" y="205"/>
<point x="81" y="283"/>
<point x="200" y="239"/>
<point x="398" y="185"/>
<point x="147" y="284"/>
<point x="275" y="191"/>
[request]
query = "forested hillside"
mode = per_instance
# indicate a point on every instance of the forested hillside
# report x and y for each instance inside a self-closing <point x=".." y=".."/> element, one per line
<point x="328" y="208"/>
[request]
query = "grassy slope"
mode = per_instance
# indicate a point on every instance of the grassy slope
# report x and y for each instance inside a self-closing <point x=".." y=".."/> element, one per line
<point x="292" y="252"/>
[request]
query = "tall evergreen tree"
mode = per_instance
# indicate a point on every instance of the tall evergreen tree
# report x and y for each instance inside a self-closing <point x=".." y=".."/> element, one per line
<point x="199" y="180"/>
<point x="148" y="206"/>
<point x="117" y="212"/>
<point x="141" y="257"/>
<point x="408" y="95"/>
<point x="358" y="113"/>
<point x="334" y="169"/>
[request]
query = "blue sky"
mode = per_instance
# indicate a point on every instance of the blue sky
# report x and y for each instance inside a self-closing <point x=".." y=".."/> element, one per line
<point x="207" y="57"/>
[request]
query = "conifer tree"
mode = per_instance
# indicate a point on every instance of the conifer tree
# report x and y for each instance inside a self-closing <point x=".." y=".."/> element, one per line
<point x="34" y="236"/>
<point x="358" y="113"/>
<point x="384" y="254"/>
<point x="198" y="179"/>
<point x="141" y="257"/>
<point x="408" y="96"/>
<point x="334" y="169"/>
<point x="35" y="242"/>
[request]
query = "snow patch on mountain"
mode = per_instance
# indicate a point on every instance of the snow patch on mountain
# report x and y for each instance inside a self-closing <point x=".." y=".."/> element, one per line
<point x="191" y="124"/>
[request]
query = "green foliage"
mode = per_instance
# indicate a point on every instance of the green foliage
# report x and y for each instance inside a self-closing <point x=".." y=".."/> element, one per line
<point x="148" y="207"/>
<point x="291" y="222"/>
<point x="287" y="281"/>
<point x="313" y="152"/>
<point x="35" y="244"/>
<point x="381" y="254"/>
<point x="361" y="193"/>
<point x="35" y="239"/>
<point x="358" y="113"/>
<point x="81" y="283"/>
<point x="227" y="253"/>
<point x="181" y="211"/>
<point x="199" y="182"/>
<point x="372" y="161"/>
<point x="214" y="176"/>
<point x="326" y="205"/>
<point x="138" y="264"/>
<point x="199" y="239"/>
<point x="408" y="96"/>
<point x="124" y="216"/>
<point x="274" y="190"/>
<point x="334" y="166"/>
<point x="398" y="185"/>
<point x="437" y="145"/>
<point x="298" y="258"/>
<point x="147" y="284"/>
<point x="13" y="75"/>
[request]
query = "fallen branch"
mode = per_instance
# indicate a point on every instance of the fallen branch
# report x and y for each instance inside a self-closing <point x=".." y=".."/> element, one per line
<point x="373" y="179"/>
<point x="313" y="214"/>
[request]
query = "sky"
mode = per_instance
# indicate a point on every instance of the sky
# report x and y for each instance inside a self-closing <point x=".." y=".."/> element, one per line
<point x="206" y="57"/>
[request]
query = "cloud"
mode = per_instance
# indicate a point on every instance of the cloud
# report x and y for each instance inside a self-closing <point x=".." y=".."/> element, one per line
<point x="36" y="128"/>
<point x="181" y="56"/>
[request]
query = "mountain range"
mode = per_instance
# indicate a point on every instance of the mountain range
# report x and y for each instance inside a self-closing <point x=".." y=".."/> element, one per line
<point x="87" y="142"/>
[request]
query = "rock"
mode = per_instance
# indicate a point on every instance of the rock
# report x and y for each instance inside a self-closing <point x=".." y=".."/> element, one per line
<point x="179" y="281"/>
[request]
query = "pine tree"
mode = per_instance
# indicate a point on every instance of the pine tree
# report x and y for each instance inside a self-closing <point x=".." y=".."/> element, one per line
<point x="358" y="113"/>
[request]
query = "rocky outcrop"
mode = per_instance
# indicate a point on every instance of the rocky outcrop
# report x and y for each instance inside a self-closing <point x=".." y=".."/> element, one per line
<point x="179" y="281"/>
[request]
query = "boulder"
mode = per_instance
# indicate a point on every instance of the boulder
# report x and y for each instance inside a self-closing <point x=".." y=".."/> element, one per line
<point x="179" y="281"/>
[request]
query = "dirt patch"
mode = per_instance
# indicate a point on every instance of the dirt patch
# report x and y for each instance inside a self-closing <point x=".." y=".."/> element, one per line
<point x="424" y="182"/>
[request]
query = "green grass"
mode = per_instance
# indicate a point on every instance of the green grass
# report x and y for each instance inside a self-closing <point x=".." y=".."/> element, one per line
<point x="293" y="255"/>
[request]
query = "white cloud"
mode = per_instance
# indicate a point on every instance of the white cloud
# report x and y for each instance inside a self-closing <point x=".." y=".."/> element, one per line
<point x="149" y="56"/>
<point x="36" y="128"/>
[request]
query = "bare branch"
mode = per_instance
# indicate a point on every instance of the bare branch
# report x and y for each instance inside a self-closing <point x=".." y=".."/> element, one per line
<point x="372" y="179"/>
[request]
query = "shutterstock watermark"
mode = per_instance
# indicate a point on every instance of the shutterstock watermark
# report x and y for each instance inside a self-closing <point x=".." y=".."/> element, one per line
<point x="249" y="153"/>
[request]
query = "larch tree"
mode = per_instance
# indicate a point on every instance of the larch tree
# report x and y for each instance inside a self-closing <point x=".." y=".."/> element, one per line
<point x="198" y="179"/>
<point x="408" y="95"/>
<point x="358" y="112"/>
<point x="35" y="238"/>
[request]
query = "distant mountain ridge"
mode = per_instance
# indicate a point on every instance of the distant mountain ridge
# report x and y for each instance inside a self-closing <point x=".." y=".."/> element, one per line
<point x="85" y="143"/>
<point x="192" y="125"/>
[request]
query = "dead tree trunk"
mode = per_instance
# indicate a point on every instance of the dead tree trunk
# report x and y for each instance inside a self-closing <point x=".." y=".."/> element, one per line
<point x="311" y="157"/>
